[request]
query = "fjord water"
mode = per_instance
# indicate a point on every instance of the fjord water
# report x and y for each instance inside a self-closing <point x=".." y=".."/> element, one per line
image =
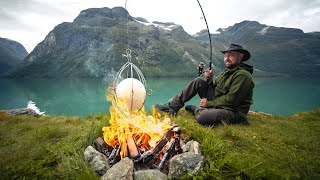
<point x="81" y="97"/>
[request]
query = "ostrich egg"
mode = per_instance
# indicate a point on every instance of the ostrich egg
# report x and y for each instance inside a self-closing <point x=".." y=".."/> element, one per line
<point x="133" y="92"/>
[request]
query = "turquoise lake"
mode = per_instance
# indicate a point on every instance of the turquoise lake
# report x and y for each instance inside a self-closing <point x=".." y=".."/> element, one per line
<point x="81" y="97"/>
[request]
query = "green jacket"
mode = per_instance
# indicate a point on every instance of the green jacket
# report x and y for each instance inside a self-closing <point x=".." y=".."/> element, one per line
<point x="234" y="89"/>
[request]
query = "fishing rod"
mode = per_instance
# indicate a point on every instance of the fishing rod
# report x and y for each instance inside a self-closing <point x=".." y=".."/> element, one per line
<point x="205" y="19"/>
<point x="210" y="63"/>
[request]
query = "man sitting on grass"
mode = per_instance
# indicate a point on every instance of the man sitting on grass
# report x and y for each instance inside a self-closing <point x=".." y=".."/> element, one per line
<point x="227" y="99"/>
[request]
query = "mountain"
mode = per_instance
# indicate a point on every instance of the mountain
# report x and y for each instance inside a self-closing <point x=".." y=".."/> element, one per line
<point x="94" y="43"/>
<point x="275" y="49"/>
<point x="11" y="54"/>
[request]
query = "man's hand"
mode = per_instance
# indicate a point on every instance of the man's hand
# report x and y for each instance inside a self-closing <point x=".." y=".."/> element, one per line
<point x="208" y="74"/>
<point x="203" y="102"/>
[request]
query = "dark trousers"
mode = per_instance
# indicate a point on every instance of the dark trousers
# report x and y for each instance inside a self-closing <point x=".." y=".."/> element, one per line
<point x="206" y="116"/>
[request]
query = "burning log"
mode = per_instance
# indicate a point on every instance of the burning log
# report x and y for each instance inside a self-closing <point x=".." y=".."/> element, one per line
<point x="178" y="148"/>
<point x="173" y="148"/>
<point x="114" y="156"/>
<point x="150" y="155"/>
<point x="133" y="150"/>
<point x="100" y="145"/>
<point x="169" y="152"/>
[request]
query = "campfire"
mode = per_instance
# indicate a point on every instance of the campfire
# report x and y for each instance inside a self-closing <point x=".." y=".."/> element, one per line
<point x="149" y="141"/>
<point x="133" y="137"/>
<point x="141" y="144"/>
<point x="138" y="143"/>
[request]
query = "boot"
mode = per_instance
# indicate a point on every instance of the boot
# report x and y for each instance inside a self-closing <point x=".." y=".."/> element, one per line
<point x="191" y="108"/>
<point x="171" y="108"/>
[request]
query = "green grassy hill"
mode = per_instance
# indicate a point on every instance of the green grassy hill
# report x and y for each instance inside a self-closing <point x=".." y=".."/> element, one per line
<point x="280" y="147"/>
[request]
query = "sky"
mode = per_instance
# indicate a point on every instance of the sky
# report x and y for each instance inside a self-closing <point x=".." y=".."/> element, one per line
<point x="29" y="21"/>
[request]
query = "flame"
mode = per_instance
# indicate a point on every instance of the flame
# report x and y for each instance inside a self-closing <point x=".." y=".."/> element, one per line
<point x="145" y="130"/>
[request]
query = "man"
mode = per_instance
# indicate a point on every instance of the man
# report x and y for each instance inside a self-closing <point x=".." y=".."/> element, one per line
<point x="227" y="99"/>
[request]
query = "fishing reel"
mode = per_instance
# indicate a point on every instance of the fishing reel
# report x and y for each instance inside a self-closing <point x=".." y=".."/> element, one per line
<point x="200" y="68"/>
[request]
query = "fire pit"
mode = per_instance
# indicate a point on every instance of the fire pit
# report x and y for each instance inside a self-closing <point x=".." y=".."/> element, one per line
<point x="155" y="158"/>
<point x="133" y="137"/>
<point x="150" y="142"/>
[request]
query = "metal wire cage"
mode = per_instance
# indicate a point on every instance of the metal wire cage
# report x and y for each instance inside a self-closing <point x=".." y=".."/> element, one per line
<point x="128" y="70"/>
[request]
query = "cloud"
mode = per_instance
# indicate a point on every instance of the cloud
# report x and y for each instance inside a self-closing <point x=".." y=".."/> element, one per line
<point x="24" y="14"/>
<point x="6" y="20"/>
<point x="294" y="14"/>
<point x="28" y="21"/>
<point x="281" y="13"/>
<point x="26" y="6"/>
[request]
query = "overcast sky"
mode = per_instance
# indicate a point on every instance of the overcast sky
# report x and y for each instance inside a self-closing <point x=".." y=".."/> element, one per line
<point x="29" y="21"/>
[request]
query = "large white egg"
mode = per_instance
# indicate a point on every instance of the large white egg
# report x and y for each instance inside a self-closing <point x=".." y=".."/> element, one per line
<point x="133" y="91"/>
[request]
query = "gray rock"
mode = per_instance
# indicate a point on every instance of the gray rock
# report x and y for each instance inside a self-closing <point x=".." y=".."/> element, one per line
<point x="31" y="110"/>
<point x="97" y="160"/>
<point x="122" y="170"/>
<point x="192" y="146"/>
<point x="22" y="111"/>
<point x="185" y="163"/>
<point x="153" y="174"/>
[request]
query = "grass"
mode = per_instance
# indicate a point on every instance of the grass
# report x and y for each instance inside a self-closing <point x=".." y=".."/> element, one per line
<point x="47" y="147"/>
<point x="269" y="148"/>
<point x="277" y="147"/>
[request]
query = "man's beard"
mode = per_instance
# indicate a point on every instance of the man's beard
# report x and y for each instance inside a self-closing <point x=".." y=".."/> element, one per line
<point x="231" y="66"/>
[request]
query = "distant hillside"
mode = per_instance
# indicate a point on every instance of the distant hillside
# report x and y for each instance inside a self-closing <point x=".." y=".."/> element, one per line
<point x="11" y="54"/>
<point x="92" y="46"/>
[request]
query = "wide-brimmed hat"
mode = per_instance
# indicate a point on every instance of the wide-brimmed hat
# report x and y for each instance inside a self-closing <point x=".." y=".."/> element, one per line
<point x="238" y="48"/>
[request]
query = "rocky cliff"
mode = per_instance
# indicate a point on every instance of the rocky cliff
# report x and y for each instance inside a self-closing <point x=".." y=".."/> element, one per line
<point x="92" y="46"/>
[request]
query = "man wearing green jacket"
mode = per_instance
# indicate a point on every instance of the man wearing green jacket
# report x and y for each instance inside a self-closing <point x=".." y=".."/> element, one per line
<point x="227" y="99"/>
